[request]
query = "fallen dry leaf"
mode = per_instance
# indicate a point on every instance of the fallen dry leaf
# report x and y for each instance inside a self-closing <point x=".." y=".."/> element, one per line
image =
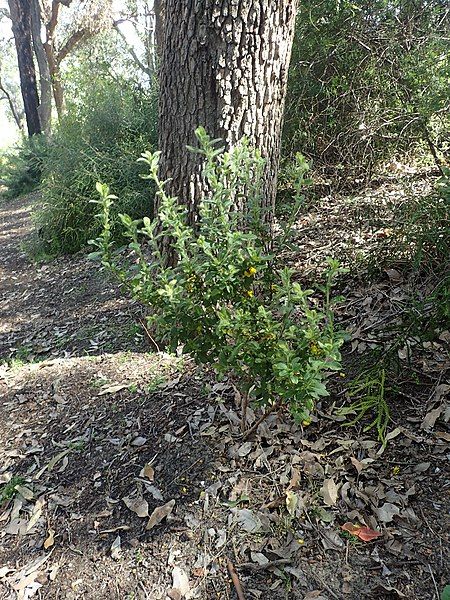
<point x="25" y="492"/>
<point x="50" y="539"/>
<point x="363" y="533"/>
<point x="314" y="595"/>
<point x="112" y="389"/>
<point x="291" y="502"/>
<point x="160" y="513"/>
<point x="139" y="441"/>
<point x="387" y="512"/>
<point x="180" y="581"/>
<point x="431" y="417"/>
<point x="116" y="548"/>
<point x="248" y="520"/>
<point x="329" y="492"/>
<point x="148" y="471"/>
<point x="137" y="505"/>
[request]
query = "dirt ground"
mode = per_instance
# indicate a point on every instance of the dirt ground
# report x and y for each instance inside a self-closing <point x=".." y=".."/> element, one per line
<point x="124" y="474"/>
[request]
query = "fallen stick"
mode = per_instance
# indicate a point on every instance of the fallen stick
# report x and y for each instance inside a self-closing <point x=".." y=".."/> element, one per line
<point x="235" y="580"/>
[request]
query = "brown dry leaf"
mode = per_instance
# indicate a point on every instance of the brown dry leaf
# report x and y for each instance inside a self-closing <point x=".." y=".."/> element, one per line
<point x="359" y="466"/>
<point x="160" y="513"/>
<point x="112" y="389"/>
<point x="394" y="275"/>
<point x="431" y="417"/>
<point x="422" y="467"/>
<point x="363" y="533"/>
<point x="25" y="492"/>
<point x="245" y="449"/>
<point x="50" y="539"/>
<point x="329" y="492"/>
<point x="148" y="471"/>
<point x="248" y="520"/>
<point x="137" y="505"/>
<point x="36" y="514"/>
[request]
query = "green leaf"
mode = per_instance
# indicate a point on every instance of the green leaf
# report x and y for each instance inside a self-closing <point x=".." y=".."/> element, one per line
<point x="445" y="595"/>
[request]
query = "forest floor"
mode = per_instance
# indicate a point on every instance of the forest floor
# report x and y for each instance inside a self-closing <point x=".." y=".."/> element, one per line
<point x="123" y="473"/>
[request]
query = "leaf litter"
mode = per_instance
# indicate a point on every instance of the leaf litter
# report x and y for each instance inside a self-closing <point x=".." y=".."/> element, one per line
<point x="326" y="506"/>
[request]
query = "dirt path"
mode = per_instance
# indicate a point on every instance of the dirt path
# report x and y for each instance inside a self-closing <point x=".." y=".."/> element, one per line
<point x="97" y="431"/>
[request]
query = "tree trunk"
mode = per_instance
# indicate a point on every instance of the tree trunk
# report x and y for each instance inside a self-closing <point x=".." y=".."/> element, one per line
<point x="20" y="11"/>
<point x="50" y="51"/>
<point x="158" y="8"/>
<point x="224" y="66"/>
<point x="55" y="74"/>
<point x="45" y="108"/>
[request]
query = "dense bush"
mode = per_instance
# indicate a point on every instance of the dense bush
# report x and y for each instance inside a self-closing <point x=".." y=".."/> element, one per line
<point x="97" y="139"/>
<point x="22" y="167"/>
<point x="367" y="80"/>
<point x="225" y="300"/>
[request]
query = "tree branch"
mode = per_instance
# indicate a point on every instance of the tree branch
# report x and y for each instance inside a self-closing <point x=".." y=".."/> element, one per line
<point x="131" y="50"/>
<point x="70" y="44"/>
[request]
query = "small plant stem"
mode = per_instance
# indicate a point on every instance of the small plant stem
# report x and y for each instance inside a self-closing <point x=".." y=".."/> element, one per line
<point x="149" y="336"/>
<point x="254" y="427"/>
<point x="244" y="412"/>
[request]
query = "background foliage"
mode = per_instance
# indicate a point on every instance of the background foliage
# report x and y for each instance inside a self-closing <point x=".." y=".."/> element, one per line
<point x="98" y="139"/>
<point x="368" y="80"/>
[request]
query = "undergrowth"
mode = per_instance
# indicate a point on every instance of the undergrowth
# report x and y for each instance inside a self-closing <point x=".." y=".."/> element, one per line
<point x="22" y="167"/>
<point x="226" y="301"/>
<point x="96" y="139"/>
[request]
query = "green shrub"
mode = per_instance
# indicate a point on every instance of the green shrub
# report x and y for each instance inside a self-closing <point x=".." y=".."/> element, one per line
<point x="22" y="168"/>
<point x="225" y="300"/>
<point x="97" y="139"/>
<point x="368" y="80"/>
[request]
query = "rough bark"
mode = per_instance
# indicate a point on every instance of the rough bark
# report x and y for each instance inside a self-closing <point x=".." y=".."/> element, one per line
<point x="50" y="51"/>
<point x="20" y="12"/>
<point x="45" y="83"/>
<point x="158" y="7"/>
<point x="224" y="66"/>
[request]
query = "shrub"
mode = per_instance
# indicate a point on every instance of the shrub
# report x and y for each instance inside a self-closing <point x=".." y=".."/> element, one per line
<point x="225" y="300"/>
<point x="96" y="139"/>
<point x="367" y="80"/>
<point x="21" y="168"/>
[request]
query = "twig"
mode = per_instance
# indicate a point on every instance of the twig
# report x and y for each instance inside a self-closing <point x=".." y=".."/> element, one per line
<point x="434" y="581"/>
<point x="235" y="580"/>
<point x="149" y="336"/>
<point x="252" y="429"/>
<point x="326" y="587"/>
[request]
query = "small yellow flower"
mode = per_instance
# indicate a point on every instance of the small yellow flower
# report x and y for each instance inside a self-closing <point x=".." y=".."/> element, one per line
<point x="342" y="375"/>
<point x="300" y="541"/>
<point x="315" y="350"/>
<point x="306" y="422"/>
<point x="199" y="328"/>
<point x="273" y="287"/>
<point x="396" y="470"/>
<point x="250" y="293"/>
<point x="250" y="272"/>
